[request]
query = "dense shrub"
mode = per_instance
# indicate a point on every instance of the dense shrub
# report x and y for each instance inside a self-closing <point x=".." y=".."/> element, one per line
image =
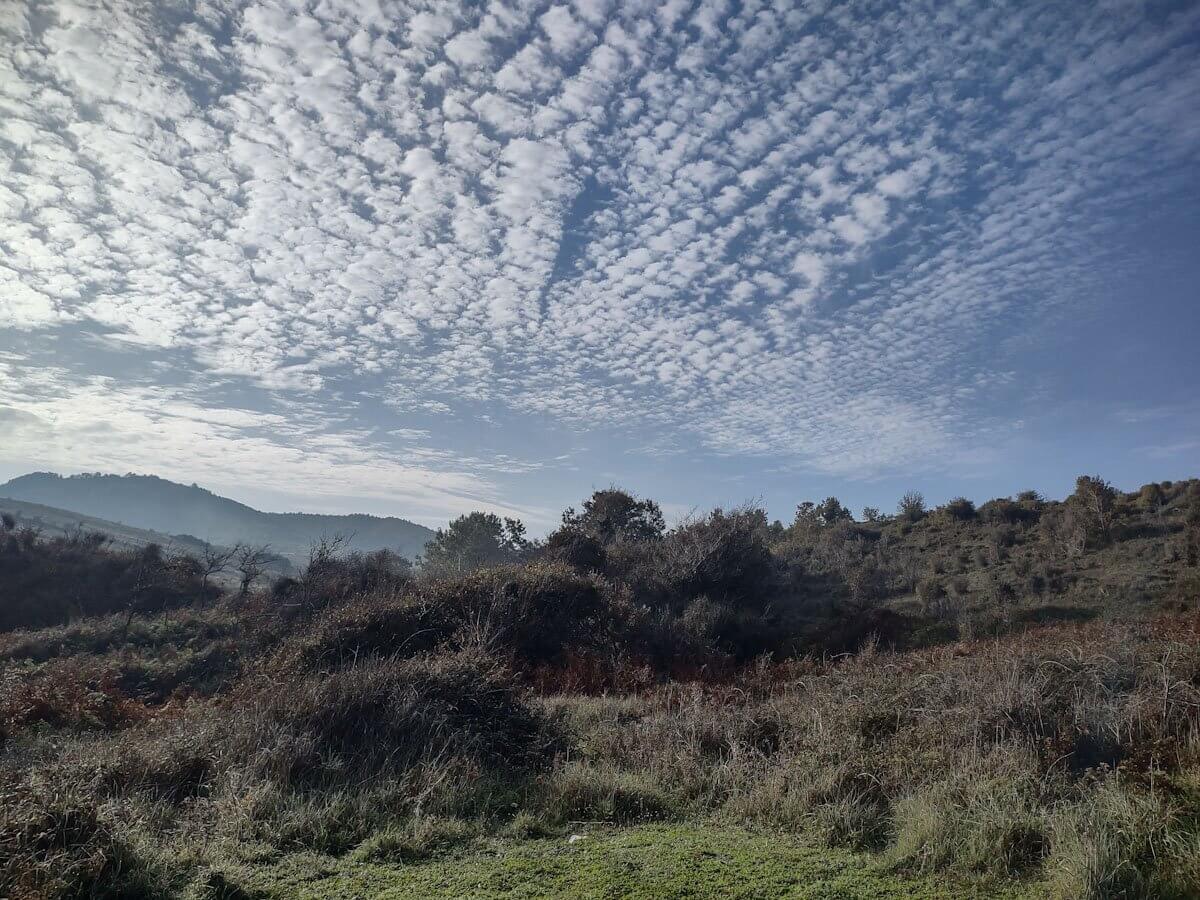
<point x="960" y="509"/>
<point x="369" y="626"/>
<point x="1003" y="511"/>
<point x="50" y="581"/>
<point x="723" y="556"/>
<point x="387" y="715"/>
<point x="330" y="578"/>
<point x="535" y="611"/>
<point x="576" y="548"/>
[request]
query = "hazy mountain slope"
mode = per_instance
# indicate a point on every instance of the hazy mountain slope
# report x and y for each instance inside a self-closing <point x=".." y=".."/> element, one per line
<point x="149" y="502"/>
<point x="54" y="522"/>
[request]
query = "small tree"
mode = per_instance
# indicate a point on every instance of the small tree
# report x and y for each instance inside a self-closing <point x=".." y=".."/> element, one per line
<point x="1192" y="516"/>
<point x="1153" y="499"/>
<point x="911" y="506"/>
<point x="471" y="542"/>
<point x="213" y="561"/>
<point x="818" y="515"/>
<point x="871" y="514"/>
<point x="907" y="567"/>
<point x="1098" y="499"/>
<point x="151" y="572"/>
<point x="251" y="563"/>
<point x="514" y="535"/>
<point x="615" y="515"/>
<point x="867" y="581"/>
<point x="807" y="515"/>
<point x="831" y="512"/>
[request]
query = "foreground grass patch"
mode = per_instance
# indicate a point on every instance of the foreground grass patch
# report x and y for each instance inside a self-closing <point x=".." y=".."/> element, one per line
<point x="650" y="861"/>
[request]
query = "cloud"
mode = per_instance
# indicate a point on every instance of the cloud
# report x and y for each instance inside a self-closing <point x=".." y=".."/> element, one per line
<point x="54" y="420"/>
<point x="564" y="31"/>
<point x="704" y="224"/>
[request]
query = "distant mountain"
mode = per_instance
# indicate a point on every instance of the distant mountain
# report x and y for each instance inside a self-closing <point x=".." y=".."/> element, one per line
<point x="155" y="504"/>
<point x="54" y="522"/>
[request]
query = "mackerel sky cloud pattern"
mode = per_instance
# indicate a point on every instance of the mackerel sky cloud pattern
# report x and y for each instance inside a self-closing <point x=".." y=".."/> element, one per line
<point x="297" y="235"/>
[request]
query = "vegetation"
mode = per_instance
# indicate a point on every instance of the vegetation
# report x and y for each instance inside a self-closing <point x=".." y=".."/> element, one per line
<point x="710" y="861"/>
<point x="981" y="701"/>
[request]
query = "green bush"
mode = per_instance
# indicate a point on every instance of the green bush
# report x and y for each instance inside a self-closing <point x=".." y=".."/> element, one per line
<point x="960" y="509"/>
<point x="911" y="506"/>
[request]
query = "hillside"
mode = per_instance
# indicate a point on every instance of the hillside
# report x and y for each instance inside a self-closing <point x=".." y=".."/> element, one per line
<point x="53" y="522"/>
<point x="155" y="504"/>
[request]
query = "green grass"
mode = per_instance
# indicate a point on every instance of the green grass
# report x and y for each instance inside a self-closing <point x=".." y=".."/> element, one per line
<point x="644" y="862"/>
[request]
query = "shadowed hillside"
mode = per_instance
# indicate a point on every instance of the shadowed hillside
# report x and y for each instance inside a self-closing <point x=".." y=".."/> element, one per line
<point x="155" y="504"/>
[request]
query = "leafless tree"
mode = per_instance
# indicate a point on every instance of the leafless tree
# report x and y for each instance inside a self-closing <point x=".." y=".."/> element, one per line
<point x="214" y="561"/>
<point x="251" y="563"/>
<point x="152" y="571"/>
<point x="327" y="549"/>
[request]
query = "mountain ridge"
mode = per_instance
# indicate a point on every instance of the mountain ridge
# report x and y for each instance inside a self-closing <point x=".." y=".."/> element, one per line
<point x="158" y="504"/>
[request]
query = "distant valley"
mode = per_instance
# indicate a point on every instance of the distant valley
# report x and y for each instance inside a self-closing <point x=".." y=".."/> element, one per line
<point x="138" y="509"/>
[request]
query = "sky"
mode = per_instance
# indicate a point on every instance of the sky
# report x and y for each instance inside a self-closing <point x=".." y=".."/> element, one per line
<point x="424" y="258"/>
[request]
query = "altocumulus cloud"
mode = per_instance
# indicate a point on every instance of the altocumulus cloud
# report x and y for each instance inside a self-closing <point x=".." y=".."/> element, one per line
<point x="780" y="229"/>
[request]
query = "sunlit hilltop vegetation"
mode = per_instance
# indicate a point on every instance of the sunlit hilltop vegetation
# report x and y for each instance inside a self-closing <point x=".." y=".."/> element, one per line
<point x="1003" y="698"/>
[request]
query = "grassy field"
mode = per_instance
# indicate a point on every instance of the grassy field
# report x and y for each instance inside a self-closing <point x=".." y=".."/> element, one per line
<point x="650" y="861"/>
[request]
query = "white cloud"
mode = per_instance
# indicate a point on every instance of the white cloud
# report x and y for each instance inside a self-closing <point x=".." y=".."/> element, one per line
<point x="564" y="31"/>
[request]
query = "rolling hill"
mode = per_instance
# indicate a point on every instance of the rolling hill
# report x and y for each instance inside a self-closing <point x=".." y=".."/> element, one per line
<point x="53" y="522"/>
<point x="191" y="512"/>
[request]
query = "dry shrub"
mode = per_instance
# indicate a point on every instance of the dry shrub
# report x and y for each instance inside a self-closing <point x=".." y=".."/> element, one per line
<point x="54" y="843"/>
<point x="989" y="818"/>
<point x="68" y="695"/>
<point x="966" y="757"/>
<point x="300" y="761"/>
<point x="587" y="672"/>
<point x="582" y="793"/>
<point x="370" y="626"/>
<point x="1115" y="842"/>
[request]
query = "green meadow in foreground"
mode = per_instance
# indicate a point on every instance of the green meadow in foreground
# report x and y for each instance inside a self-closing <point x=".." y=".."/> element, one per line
<point x="641" y="862"/>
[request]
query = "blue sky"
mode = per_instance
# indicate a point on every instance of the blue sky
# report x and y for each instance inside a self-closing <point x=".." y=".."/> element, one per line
<point x="425" y="258"/>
